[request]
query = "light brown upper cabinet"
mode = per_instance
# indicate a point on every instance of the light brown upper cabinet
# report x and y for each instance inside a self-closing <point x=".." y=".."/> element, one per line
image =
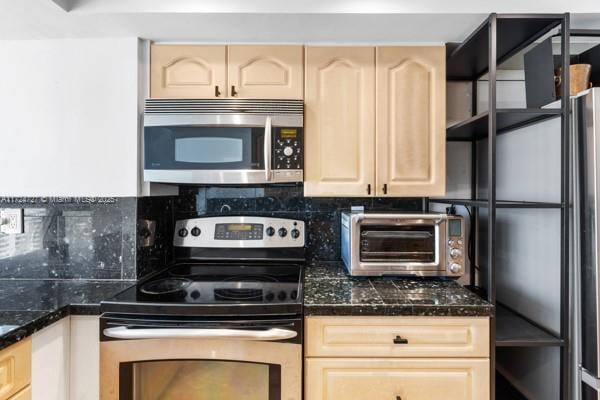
<point x="411" y="121"/>
<point x="206" y="72"/>
<point x="187" y="71"/>
<point x="339" y="121"/>
<point x="375" y="121"/>
<point x="265" y="72"/>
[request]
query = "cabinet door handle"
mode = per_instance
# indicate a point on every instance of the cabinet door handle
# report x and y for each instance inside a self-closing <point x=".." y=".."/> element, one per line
<point x="217" y="92"/>
<point x="400" y="340"/>
<point x="369" y="188"/>
<point x="385" y="188"/>
<point x="233" y="92"/>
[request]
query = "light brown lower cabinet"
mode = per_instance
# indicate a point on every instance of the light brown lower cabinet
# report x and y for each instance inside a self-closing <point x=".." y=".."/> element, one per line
<point x="24" y="394"/>
<point x="396" y="379"/>
<point x="396" y="358"/>
<point x="15" y="371"/>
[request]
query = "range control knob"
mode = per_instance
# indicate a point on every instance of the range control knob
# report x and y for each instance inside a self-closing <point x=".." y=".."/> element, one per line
<point x="269" y="297"/>
<point x="455" y="253"/>
<point x="282" y="295"/>
<point x="294" y="295"/>
<point x="195" y="294"/>
<point x="182" y="232"/>
<point x="270" y="231"/>
<point x="288" y="151"/>
<point x="196" y="231"/>
<point x="282" y="232"/>
<point x="455" y="268"/>
<point x="295" y="233"/>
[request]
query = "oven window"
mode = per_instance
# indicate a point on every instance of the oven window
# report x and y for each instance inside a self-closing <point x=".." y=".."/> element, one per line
<point x="209" y="150"/>
<point x="397" y="244"/>
<point x="204" y="379"/>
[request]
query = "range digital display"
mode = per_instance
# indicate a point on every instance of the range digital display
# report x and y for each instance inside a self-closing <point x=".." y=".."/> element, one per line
<point x="239" y="231"/>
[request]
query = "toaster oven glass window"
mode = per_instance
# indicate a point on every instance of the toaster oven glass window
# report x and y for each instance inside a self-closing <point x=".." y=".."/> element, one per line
<point x="399" y="244"/>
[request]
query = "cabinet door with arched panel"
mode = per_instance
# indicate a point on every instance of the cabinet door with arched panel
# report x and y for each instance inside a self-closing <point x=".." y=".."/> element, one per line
<point x="187" y="71"/>
<point x="411" y="118"/>
<point x="339" y="122"/>
<point x="265" y="72"/>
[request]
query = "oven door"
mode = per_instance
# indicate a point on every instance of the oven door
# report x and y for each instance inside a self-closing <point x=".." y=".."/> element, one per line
<point x="144" y="359"/>
<point x="412" y="244"/>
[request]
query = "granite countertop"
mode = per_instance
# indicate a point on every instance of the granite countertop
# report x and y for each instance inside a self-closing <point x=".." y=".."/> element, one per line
<point x="27" y="306"/>
<point x="328" y="291"/>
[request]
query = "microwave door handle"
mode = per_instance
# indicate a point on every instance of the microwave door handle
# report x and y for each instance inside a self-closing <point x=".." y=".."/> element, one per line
<point x="122" y="332"/>
<point x="268" y="146"/>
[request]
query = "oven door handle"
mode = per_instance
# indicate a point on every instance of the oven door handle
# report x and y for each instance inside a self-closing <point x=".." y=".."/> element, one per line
<point x="122" y="332"/>
<point x="268" y="148"/>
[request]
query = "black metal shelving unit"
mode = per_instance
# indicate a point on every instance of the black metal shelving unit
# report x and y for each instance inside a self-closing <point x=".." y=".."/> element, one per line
<point x="498" y="38"/>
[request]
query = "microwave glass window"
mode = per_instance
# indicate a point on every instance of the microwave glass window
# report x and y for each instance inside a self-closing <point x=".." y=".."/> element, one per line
<point x="208" y="150"/>
<point x="454" y="227"/>
<point x="401" y="244"/>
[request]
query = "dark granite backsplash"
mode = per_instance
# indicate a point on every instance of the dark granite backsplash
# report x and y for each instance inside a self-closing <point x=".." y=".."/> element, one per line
<point x="322" y="215"/>
<point x="71" y="238"/>
<point x="126" y="238"/>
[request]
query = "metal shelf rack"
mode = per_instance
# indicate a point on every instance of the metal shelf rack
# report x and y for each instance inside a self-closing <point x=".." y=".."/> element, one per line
<point x="498" y="38"/>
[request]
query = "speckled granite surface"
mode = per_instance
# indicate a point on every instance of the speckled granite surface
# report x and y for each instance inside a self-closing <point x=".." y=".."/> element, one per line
<point x="329" y="291"/>
<point x="26" y="306"/>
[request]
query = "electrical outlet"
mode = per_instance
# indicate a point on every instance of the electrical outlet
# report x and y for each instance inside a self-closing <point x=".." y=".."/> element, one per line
<point x="12" y="220"/>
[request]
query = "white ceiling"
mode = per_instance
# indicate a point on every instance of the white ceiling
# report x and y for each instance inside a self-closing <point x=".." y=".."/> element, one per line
<point x="262" y="21"/>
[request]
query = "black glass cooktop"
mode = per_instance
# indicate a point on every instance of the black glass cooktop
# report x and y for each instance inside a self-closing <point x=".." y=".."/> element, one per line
<point x="214" y="289"/>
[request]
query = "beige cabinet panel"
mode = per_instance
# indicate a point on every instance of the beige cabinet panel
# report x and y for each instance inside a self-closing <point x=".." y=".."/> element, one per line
<point x="24" y="394"/>
<point x="15" y="368"/>
<point x="392" y="379"/>
<point x="187" y="71"/>
<point x="265" y="72"/>
<point x="339" y="121"/>
<point x="411" y="121"/>
<point x="374" y="337"/>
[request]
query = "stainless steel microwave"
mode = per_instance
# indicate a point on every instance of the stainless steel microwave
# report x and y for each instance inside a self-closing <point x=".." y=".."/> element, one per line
<point x="225" y="141"/>
<point x="376" y="244"/>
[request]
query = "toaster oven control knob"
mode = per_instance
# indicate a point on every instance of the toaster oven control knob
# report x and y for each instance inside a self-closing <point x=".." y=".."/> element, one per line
<point x="455" y="253"/>
<point x="282" y="232"/>
<point x="182" y="232"/>
<point x="455" y="268"/>
<point x="295" y="233"/>
<point x="270" y="231"/>
<point x="451" y="243"/>
<point x="288" y="151"/>
<point x="196" y="231"/>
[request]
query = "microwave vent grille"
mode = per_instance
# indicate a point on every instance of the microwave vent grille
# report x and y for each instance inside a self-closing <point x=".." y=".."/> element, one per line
<point x="223" y="106"/>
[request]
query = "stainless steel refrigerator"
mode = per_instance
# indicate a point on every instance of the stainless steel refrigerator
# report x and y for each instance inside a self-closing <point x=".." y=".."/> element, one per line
<point x="586" y="244"/>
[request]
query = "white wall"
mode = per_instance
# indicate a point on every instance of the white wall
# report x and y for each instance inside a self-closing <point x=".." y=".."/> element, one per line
<point x="69" y="117"/>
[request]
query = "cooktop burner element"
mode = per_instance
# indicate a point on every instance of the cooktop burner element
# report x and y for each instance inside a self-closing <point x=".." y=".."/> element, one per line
<point x="249" y="277"/>
<point x="165" y="286"/>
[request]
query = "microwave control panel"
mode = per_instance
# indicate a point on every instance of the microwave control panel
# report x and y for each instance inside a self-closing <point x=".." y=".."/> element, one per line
<point x="456" y="245"/>
<point x="288" y="148"/>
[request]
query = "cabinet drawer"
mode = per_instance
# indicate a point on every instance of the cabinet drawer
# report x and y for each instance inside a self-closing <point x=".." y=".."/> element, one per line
<point x="374" y="337"/>
<point x="24" y="394"/>
<point x="15" y="368"/>
<point x="391" y="379"/>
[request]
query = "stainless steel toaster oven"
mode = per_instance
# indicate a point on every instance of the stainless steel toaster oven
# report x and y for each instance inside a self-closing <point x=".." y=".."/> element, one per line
<point x="375" y="244"/>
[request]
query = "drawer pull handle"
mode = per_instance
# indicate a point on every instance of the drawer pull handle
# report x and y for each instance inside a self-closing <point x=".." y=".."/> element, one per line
<point x="398" y="398"/>
<point x="400" y="340"/>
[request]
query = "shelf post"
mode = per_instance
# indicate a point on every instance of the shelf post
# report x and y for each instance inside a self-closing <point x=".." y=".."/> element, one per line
<point x="491" y="171"/>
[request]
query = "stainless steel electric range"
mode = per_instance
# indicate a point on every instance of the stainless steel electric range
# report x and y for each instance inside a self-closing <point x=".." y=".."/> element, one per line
<point x="224" y="321"/>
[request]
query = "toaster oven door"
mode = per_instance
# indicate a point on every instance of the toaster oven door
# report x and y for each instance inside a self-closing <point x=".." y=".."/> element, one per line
<point x="402" y="245"/>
